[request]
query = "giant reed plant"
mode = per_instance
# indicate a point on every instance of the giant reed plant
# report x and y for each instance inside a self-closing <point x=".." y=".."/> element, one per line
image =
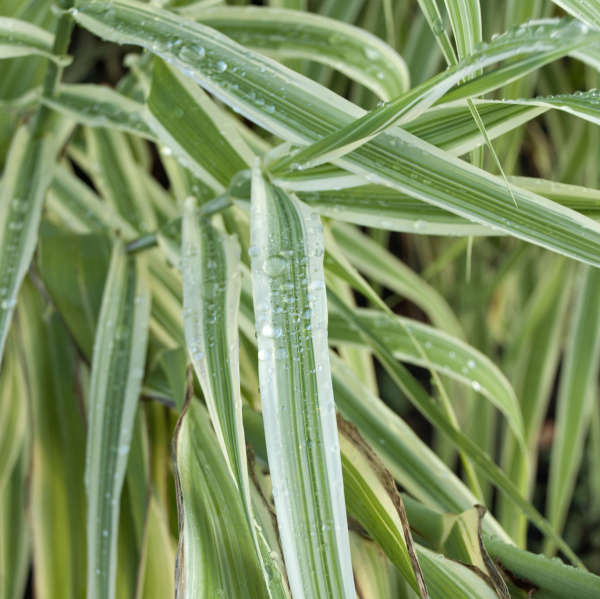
<point x="304" y="304"/>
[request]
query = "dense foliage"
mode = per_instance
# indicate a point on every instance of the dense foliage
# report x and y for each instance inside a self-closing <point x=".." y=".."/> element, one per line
<point x="299" y="300"/>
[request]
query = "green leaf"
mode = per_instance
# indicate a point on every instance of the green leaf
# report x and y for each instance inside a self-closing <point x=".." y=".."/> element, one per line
<point x="14" y="532"/>
<point x="586" y="10"/>
<point x="211" y="289"/>
<point x="56" y="493"/>
<point x="100" y="106"/>
<point x="534" y="355"/>
<point x="115" y="175"/>
<point x="211" y="292"/>
<point x="295" y="386"/>
<point x="375" y="503"/>
<point x="76" y="291"/>
<point x="383" y="267"/>
<point x="13" y="411"/>
<point x="545" y="42"/>
<point x="412" y="463"/>
<point x="27" y="174"/>
<point x="576" y="396"/>
<point x="180" y="111"/>
<point x="373" y="572"/>
<point x="465" y="17"/>
<point x="550" y="576"/>
<point x="117" y="372"/>
<point x="287" y="34"/>
<point x="216" y="552"/>
<point x="20" y="38"/>
<point x="428" y="347"/>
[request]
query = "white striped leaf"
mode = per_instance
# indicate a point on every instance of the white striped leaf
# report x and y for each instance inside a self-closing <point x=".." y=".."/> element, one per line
<point x="433" y="412"/>
<point x="27" y="174"/>
<point x="211" y="292"/>
<point x="586" y="10"/>
<point x="440" y="351"/>
<point x="188" y="122"/>
<point x="21" y="38"/>
<point x="297" y="399"/>
<point x="216" y="556"/>
<point x="291" y="34"/>
<point x="117" y="371"/>
<point x="100" y="106"/>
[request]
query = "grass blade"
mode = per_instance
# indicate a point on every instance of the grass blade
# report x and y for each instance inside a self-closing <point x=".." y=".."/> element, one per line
<point x="433" y="412"/>
<point x="211" y="292"/>
<point x="381" y="266"/>
<point x="211" y="289"/>
<point x="447" y="355"/>
<point x="576" y="396"/>
<point x="414" y="102"/>
<point x="27" y="174"/>
<point x="57" y="496"/>
<point x="216" y="556"/>
<point x="215" y="155"/>
<point x="117" y="372"/>
<point x="586" y="10"/>
<point x="100" y="106"/>
<point x="550" y="576"/>
<point x="290" y="34"/>
<point x="412" y="463"/>
<point x="300" y="428"/>
<point x="374" y="501"/>
<point x="21" y="38"/>
<point x="115" y="175"/>
<point x="14" y="532"/>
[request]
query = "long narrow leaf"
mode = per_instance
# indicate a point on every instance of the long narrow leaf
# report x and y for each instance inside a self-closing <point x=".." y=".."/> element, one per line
<point x="576" y="396"/>
<point x="21" y="38"/>
<point x="216" y="555"/>
<point x="297" y="399"/>
<point x="117" y="372"/>
<point x="27" y="174"/>
<point x="290" y="34"/>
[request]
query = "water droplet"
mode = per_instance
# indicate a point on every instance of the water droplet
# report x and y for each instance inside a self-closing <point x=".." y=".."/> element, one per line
<point x="269" y="331"/>
<point x="471" y="363"/>
<point x="476" y="385"/>
<point x="275" y="265"/>
<point x="221" y="66"/>
<point x="8" y="304"/>
<point x="371" y="53"/>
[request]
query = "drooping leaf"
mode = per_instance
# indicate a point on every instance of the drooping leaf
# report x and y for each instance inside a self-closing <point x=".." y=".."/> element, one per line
<point x="291" y="34"/>
<point x="21" y="38"/>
